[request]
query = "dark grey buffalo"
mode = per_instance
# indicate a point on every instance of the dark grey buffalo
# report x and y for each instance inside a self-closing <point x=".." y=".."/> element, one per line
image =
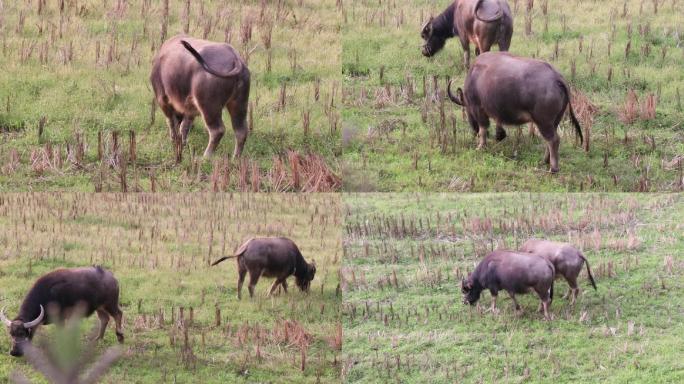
<point x="482" y="22"/>
<point x="566" y="259"/>
<point x="513" y="272"/>
<point x="276" y="257"/>
<point x="193" y="77"/>
<point x="60" y="292"/>
<point x="514" y="90"/>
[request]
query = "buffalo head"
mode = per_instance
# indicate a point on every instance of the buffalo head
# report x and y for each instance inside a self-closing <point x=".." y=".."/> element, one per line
<point x="471" y="293"/>
<point x="432" y="42"/>
<point x="304" y="281"/>
<point x="21" y="332"/>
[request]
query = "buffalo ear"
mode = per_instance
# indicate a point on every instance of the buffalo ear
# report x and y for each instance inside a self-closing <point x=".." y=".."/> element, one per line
<point x="459" y="95"/>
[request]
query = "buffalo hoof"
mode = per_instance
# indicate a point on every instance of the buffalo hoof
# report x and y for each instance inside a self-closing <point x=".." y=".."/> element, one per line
<point x="554" y="170"/>
<point x="120" y="338"/>
<point x="500" y="135"/>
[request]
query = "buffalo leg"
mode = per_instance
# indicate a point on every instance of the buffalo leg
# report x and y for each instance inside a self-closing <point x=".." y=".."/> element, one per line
<point x="545" y="297"/>
<point x="505" y="40"/>
<point x="553" y="144"/>
<point x="483" y="46"/>
<point x="515" y="302"/>
<point x="173" y="120"/>
<point x="547" y="158"/>
<point x="238" y="116"/>
<point x="574" y="289"/>
<point x="466" y="52"/>
<point x="253" y="279"/>
<point x="104" y="320"/>
<point x="500" y="132"/>
<point x="274" y="286"/>
<point x="215" y="128"/>
<point x="284" y="284"/>
<point x="492" y="308"/>
<point x="241" y="279"/>
<point x="482" y="137"/>
<point x="545" y="305"/>
<point x="116" y="313"/>
<point x="185" y="126"/>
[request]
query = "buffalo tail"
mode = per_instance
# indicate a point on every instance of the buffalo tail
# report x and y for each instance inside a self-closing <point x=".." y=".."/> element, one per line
<point x="496" y="17"/>
<point x="221" y="259"/>
<point x="578" y="129"/>
<point x="200" y="59"/>
<point x="591" y="278"/>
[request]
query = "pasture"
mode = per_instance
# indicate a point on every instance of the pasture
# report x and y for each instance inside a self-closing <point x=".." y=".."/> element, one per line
<point x="77" y="111"/>
<point x="623" y="59"/>
<point x="182" y="320"/>
<point x="403" y="315"/>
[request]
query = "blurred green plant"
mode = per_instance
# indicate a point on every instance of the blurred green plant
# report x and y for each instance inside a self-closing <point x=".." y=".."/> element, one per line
<point x="65" y="360"/>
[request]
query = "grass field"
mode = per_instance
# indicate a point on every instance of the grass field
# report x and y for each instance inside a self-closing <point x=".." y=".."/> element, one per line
<point x="400" y="134"/>
<point x="74" y="85"/>
<point x="403" y="316"/>
<point x="159" y="247"/>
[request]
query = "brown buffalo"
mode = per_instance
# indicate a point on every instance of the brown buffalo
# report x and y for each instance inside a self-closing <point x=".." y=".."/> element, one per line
<point x="513" y="272"/>
<point x="276" y="257"/>
<point x="61" y="292"/>
<point x="566" y="259"/>
<point x="482" y="22"/>
<point x="514" y="90"/>
<point x="193" y="77"/>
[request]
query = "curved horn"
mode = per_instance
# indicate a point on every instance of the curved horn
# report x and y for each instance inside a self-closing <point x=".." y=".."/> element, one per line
<point x="37" y="321"/>
<point x="4" y="318"/>
<point x="458" y="99"/>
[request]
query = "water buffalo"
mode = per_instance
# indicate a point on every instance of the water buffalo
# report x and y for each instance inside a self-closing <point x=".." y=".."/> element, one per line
<point x="60" y="292"/>
<point x="515" y="90"/>
<point x="566" y="259"/>
<point x="192" y="77"/>
<point x="482" y="22"/>
<point x="276" y="257"/>
<point x="513" y="272"/>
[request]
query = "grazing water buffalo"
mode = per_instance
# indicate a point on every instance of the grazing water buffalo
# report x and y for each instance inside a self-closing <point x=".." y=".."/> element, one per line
<point x="566" y="259"/>
<point x="276" y="257"/>
<point x="482" y="22"/>
<point x="515" y="90"/>
<point x="61" y="292"/>
<point x="513" y="272"/>
<point x="193" y="77"/>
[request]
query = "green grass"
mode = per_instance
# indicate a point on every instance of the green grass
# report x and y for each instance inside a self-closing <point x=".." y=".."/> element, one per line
<point x="415" y="328"/>
<point x="158" y="247"/>
<point x="87" y="95"/>
<point x="379" y="37"/>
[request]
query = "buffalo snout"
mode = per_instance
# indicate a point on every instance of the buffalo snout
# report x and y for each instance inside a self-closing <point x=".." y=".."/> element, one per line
<point x="16" y="351"/>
